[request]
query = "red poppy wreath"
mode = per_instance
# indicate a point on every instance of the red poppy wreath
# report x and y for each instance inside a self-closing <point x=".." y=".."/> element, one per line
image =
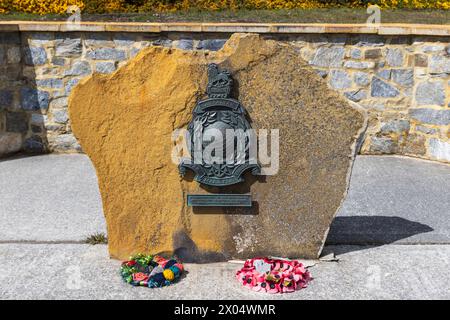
<point x="273" y="275"/>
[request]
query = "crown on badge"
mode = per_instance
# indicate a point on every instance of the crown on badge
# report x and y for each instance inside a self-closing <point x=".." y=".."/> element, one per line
<point x="219" y="82"/>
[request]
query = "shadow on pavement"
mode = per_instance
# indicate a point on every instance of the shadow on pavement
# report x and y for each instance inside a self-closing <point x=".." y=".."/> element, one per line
<point x="359" y="231"/>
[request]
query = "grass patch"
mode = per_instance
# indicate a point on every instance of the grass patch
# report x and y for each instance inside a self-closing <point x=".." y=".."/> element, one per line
<point x="97" y="238"/>
<point x="337" y="15"/>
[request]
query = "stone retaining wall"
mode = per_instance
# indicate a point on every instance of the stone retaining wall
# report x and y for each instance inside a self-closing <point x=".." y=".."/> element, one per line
<point x="402" y="80"/>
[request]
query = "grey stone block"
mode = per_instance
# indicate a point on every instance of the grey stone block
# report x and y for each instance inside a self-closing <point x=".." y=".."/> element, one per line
<point x="426" y="130"/>
<point x="124" y="40"/>
<point x="55" y="127"/>
<point x="79" y="68"/>
<point x="50" y="71"/>
<point x="430" y="93"/>
<point x="10" y="142"/>
<point x="66" y="142"/>
<point x="439" y="64"/>
<point x="70" y="84"/>
<point x="68" y="47"/>
<point x="60" y="102"/>
<point x="106" y="54"/>
<point x="379" y="88"/>
<point x="37" y="118"/>
<point x="431" y="116"/>
<point x="404" y="77"/>
<point x="105" y="67"/>
<point x="16" y="122"/>
<point x="10" y="38"/>
<point x="395" y="57"/>
<point x="58" y="61"/>
<point x="395" y="126"/>
<point x="35" y="56"/>
<point x="433" y="48"/>
<point x="359" y="64"/>
<point x="421" y="60"/>
<point x="356" y="95"/>
<point x="385" y="74"/>
<point x="372" y="54"/>
<point x="60" y="116"/>
<point x="2" y="56"/>
<point x="328" y="57"/>
<point x="32" y="99"/>
<point x="212" y="45"/>
<point x="369" y="40"/>
<point x="373" y="105"/>
<point x="36" y="129"/>
<point x="355" y="54"/>
<point x="340" y="79"/>
<point x="13" y="72"/>
<point x="185" y="44"/>
<point x="162" y="42"/>
<point x="361" y="78"/>
<point x="13" y="54"/>
<point x="52" y="83"/>
<point x="35" y="144"/>
<point x="382" y="145"/>
<point x="6" y="98"/>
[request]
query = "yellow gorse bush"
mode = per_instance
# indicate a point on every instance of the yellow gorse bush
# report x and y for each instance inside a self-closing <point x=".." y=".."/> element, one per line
<point x="39" y="6"/>
<point x="110" y="6"/>
<point x="415" y="4"/>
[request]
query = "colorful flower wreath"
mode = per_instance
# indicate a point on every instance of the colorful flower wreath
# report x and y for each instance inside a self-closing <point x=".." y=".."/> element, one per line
<point x="150" y="271"/>
<point x="273" y="275"/>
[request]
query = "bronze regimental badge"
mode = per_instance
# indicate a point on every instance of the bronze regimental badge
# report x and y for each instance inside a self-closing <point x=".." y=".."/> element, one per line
<point x="220" y="118"/>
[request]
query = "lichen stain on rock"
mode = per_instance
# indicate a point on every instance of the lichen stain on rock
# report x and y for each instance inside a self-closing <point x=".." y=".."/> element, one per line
<point x="124" y="122"/>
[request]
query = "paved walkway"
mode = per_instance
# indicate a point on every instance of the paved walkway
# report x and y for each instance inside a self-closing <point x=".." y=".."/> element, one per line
<point x="391" y="237"/>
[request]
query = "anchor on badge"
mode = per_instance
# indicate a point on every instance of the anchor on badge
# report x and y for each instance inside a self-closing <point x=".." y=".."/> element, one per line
<point x="220" y="113"/>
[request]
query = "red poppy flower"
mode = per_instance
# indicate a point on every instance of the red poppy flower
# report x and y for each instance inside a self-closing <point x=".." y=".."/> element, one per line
<point x="261" y="287"/>
<point x="273" y="288"/>
<point x="130" y="263"/>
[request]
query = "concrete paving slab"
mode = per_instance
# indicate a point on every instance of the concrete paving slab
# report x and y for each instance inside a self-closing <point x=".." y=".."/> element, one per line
<point x="79" y="271"/>
<point x="395" y="200"/>
<point x="49" y="198"/>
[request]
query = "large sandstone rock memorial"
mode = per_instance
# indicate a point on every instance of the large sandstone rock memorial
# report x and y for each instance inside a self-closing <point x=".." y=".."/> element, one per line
<point x="125" y="123"/>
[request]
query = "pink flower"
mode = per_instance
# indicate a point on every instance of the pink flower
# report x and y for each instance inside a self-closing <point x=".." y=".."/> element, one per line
<point x="288" y="285"/>
<point x="160" y="260"/>
<point x="261" y="287"/>
<point x="300" y="269"/>
<point x="260" y="277"/>
<point x="140" y="276"/>
<point x="273" y="288"/>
